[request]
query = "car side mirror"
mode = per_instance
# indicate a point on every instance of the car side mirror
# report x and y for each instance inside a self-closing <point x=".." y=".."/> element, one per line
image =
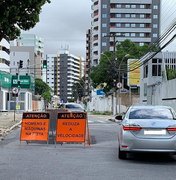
<point x="119" y="117"/>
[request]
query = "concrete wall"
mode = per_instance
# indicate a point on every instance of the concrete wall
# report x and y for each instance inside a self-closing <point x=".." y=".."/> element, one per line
<point x="165" y="94"/>
<point x="111" y="103"/>
<point x="37" y="105"/>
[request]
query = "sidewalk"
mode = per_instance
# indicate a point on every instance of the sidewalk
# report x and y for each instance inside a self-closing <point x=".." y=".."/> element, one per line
<point x="9" y="121"/>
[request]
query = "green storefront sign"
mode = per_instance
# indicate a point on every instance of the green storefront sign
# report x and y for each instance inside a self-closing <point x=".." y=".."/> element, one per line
<point x="25" y="82"/>
<point x="5" y="79"/>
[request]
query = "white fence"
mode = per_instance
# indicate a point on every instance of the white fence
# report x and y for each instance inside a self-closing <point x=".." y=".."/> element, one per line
<point x="111" y="103"/>
<point x="162" y="94"/>
<point x="165" y="94"/>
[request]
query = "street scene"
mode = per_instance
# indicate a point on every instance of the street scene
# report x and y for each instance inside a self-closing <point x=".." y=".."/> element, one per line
<point x="87" y="90"/>
<point x="74" y="161"/>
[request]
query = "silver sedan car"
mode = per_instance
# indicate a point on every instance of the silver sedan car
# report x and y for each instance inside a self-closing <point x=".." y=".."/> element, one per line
<point x="147" y="129"/>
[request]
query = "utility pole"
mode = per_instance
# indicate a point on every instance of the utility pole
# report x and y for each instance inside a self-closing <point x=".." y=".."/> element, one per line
<point x="114" y="36"/>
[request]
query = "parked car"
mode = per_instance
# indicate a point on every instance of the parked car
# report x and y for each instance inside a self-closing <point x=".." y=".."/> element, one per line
<point x="74" y="107"/>
<point x="147" y="129"/>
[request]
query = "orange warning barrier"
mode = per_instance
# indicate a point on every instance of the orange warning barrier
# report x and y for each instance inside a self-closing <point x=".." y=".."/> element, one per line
<point x="71" y="127"/>
<point x="35" y="127"/>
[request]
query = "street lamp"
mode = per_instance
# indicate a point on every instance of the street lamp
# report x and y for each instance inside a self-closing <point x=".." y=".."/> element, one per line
<point x="119" y="71"/>
<point x="112" y="92"/>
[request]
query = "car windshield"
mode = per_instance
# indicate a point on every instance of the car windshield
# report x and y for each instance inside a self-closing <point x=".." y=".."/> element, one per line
<point x="153" y="113"/>
<point x="73" y="106"/>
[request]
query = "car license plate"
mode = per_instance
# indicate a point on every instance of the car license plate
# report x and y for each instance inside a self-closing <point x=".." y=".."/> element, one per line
<point x="155" y="132"/>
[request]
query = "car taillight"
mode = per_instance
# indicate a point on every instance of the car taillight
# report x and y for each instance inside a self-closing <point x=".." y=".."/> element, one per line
<point x="171" y="128"/>
<point x="131" y="128"/>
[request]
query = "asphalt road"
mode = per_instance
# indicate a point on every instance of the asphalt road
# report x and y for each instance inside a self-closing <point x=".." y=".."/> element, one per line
<point x="33" y="161"/>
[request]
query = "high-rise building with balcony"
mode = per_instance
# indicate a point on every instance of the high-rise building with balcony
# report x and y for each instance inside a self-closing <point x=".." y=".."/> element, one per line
<point x="63" y="70"/>
<point x="137" y="20"/>
<point x="87" y="86"/>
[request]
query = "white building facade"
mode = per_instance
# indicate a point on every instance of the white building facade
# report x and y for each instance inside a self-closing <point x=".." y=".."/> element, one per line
<point x="153" y="74"/>
<point x="4" y="55"/>
<point x="5" y="77"/>
<point x="30" y="49"/>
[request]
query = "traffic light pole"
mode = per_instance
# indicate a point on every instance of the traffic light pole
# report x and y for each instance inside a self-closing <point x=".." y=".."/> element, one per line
<point x="17" y="100"/>
<point x="20" y="65"/>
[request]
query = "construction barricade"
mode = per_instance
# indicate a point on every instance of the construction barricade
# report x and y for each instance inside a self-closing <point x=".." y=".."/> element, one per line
<point x="35" y="126"/>
<point x="72" y="127"/>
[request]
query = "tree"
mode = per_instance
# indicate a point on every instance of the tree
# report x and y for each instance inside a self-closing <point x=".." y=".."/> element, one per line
<point x="171" y="73"/>
<point x="41" y="88"/>
<point x="78" y="90"/>
<point x="17" y="15"/>
<point x="106" y="74"/>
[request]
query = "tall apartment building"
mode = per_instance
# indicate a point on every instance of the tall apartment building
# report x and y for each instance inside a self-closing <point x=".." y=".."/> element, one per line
<point x="5" y="76"/>
<point x="63" y="70"/>
<point x="4" y="55"/>
<point x="87" y="87"/>
<point x="137" y="20"/>
<point x="30" y="49"/>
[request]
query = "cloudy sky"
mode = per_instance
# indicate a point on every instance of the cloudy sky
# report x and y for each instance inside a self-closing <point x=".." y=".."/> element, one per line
<point x="63" y="23"/>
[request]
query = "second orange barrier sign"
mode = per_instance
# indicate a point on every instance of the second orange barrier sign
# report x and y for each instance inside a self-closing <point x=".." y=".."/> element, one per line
<point x="71" y="127"/>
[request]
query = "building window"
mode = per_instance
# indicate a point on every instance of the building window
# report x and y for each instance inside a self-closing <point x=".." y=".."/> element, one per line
<point x="141" y="44"/>
<point x="155" y="25"/>
<point x="104" y="15"/>
<point x="133" y="6"/>
<point x="132" y="34"/>
<point x="104" y="44"/>
<point x="127" y="15"/>
<point x="127" y="6"/>
<point x="104" y="25"/>
<point x="155" y="7"/>
<point x="156" y="67"/>
<point x="141" y="34"/>
<point x="141" y="25"/>
<point x="127" y="34"/>
<point x="133" y="15"/>
<point x="145" y="89"/>
<point x="142" y="6"/>
<point x="118" y="25"/>
<point x="104" y="6"/>
<point x="127" y="25"/>
<point x="118" y="15"/>
<point x="155" y="35"/>
<point x="133" y="25"/>
<point x="145" y="71"/>
<point x="155" y="16"/>
<point x="142" y="16"/>
<point x="118" y="6"/>
<point x="104" y="34"/>
<point x="156" y="70"/>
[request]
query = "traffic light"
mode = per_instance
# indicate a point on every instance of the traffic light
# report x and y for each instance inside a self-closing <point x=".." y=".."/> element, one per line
<point x="44" y="64"/>
<point x="21" y="64"/>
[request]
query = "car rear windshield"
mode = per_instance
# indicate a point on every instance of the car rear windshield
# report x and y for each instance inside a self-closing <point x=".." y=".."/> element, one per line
<point x="73" y="106"/>
<point x="151" y="113"/>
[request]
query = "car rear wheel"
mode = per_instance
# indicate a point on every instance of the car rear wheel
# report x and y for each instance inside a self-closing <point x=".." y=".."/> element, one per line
<point x="122" y="154"/>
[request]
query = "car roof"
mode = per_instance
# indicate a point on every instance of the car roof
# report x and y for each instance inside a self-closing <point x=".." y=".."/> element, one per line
<point x="72" y="103"/>
<point x="149" y="106"/>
